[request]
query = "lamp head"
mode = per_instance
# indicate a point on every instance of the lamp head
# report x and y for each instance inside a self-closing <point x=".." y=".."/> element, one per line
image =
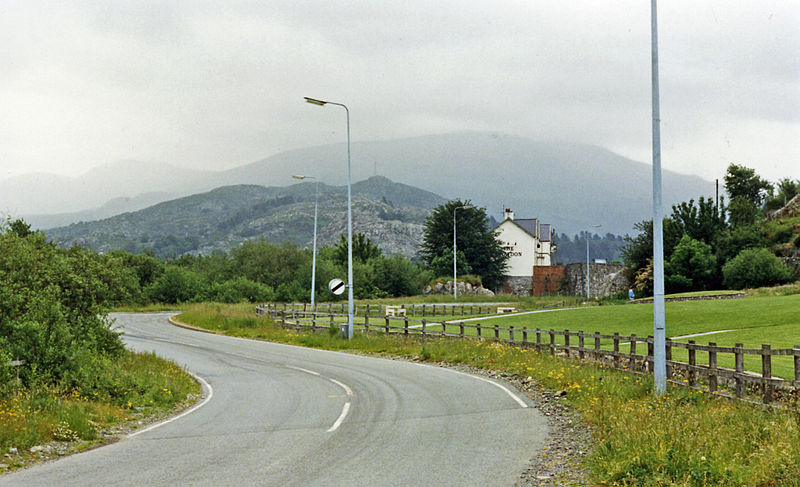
<point x="314" y="101"/>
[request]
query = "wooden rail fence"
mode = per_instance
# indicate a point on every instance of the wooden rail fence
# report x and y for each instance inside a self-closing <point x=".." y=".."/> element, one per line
<point x="413" y="310"/>
<point x="606" y="349"/>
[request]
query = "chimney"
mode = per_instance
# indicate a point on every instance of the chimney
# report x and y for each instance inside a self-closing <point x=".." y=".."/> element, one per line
<point x="509" y="215"/>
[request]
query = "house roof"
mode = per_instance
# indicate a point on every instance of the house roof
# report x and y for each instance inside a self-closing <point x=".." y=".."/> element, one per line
<point x="529" y="225"/>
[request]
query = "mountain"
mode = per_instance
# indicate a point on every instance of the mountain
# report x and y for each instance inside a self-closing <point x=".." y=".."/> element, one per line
<point x="40" y="194"/>
<point x="572" y="186"/>
<point x="391" y="214"/>
<point x="117" y="206"/>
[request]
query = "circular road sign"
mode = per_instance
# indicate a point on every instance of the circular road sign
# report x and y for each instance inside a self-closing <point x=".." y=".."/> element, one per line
<point x="336" y="286"/>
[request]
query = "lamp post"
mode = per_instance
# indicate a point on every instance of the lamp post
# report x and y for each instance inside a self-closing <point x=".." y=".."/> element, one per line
<point x="659" y="320"/>
<point x="587" y="261"/>
<point x="314" y="244"/>
<point x="455" y="280"/>
<point x="349" y="331"/>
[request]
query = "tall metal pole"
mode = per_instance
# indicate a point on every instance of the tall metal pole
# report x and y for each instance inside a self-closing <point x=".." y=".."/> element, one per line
<point x="314" y="251"/>
<point x="587" y="265"/>
<point x="348" y="332"/>
<point x="455" y="280"/>
<point x="659" y="325"/>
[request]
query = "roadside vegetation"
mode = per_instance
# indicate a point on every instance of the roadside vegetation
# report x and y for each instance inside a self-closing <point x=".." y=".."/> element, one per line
<point x="64" y="373"/>
<point x="683" y="438"/>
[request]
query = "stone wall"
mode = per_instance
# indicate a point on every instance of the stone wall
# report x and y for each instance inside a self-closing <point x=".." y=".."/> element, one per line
<point x="518" y="285"/>
<point x="464" y="288"/>
<point x="604" y="279"/>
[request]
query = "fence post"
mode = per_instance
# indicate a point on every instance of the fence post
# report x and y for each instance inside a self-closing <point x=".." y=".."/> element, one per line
<point x="650" y="351"/>
<point x="712" y="367"/>
<point x="283" y="318"/>
<point x="462" y="310"/>
<point x="368" y="309"/>
<point x="478" y="329"/>
<point x="538" y="340"/>
<point x="313" y="321"/>
<point x="580" y="345"/>
<point x="423" y="310"/>
<point x="366" y="321"/>
<point x="424" y="330"/>
<point x="304" y="307"/>
<point x="511" y="334"/>
<point x="552" y="342"/>
<point x="632" y="359"/>
<point x="796" y="364"/>
<point x="616" y="350"/>
<point x="739" y="360"/>
<point x="434" y="310"/>
<point x="496" y="332"/>
<point x="444" y="328"/>
<point x="461" y="329"/>
<point x="566" y="342"/>
<point x="597" y="345"/>
<point x="692" y="364"/>
<point x="668" y="357"/>
<point x="525" y="334"/>
<point x="766" y="372"/>
<point x="387" y="324"/>
<point x="405" y="326"/>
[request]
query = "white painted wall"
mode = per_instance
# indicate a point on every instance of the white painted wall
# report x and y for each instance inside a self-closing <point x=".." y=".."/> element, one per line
<point x="521" y="248"/>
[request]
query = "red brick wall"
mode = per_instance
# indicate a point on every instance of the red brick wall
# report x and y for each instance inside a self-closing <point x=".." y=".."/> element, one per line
<point x="547" y="279"/>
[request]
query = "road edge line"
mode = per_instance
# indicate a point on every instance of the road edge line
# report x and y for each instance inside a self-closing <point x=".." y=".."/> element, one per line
<point x="194" y="408"/>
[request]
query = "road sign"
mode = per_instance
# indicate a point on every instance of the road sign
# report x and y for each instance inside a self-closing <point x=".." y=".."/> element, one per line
<point x="336" y="286"/>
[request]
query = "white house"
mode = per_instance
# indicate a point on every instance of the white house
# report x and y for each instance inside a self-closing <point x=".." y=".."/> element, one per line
<point x="528" y="242"/>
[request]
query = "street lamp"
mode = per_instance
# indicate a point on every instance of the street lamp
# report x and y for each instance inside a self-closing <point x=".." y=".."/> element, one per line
<point x="349" y="330"/>
<point x="314" y="244"/>
<point x="587" y="261"/>
<point x="659" y="319"/>
<point x="455" y="280"/>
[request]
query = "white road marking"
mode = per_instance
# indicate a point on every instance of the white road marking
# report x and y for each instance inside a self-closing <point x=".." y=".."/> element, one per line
<point x="205" y="384"/>
<point x="343" y="386"/>
<point x="505" y="389"/>
<point x="347" y="390"/>
<point x="303" y="370"/>
<point x="338" y="422"/>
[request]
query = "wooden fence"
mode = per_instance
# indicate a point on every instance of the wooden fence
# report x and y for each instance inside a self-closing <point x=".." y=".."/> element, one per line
<point x="605" y="349"/>
<point x="414" y="310"/>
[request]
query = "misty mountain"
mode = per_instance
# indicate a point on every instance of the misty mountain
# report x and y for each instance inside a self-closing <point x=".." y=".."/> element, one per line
<point x="117" y="206"/>
<point x="572" y="186"/>
<point x="390" y="214"/>
<point x="43" y="194"/>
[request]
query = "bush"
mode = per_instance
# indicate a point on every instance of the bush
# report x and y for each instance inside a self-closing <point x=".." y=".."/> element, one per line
<point x="241" y="289"/>
<point x="755" y="268"/>
<point x="176" y="285"/>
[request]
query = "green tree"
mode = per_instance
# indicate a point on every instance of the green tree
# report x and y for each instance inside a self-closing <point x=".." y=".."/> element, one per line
<point x="755" y="268"/>
<point x="786" y="189"/>
<point x="690" y="267"/>
<point x="363" y="249"/>
<point x="399" y="276"/>
<point x="475" y="239"/>
<point x="741" y="181"/>
<point x="704" y="222"/>
<point x="747" y="191"/>
<point x="177" y="285"/>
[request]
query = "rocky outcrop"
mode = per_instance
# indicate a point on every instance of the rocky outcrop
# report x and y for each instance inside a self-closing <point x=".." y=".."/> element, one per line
<point x="464" y="288"/>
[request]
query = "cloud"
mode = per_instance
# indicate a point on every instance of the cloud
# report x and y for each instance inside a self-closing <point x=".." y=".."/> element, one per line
<point x="217" y="84"/>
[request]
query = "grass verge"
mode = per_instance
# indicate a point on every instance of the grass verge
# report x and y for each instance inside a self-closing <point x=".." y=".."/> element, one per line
<point x="683" y="438"/>
<point x="127" y="388"/>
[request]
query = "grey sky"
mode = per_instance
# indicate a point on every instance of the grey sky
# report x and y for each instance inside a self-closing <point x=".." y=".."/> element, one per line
<point x="214" y="85"/>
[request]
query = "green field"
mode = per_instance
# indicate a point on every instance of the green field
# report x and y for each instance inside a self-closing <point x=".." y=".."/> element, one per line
<point x="772" y="320"/>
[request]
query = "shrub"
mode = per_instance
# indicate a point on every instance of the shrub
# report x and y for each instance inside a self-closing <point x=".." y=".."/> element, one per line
<point x="755" y="268"/>
<point x="176" y="285"/>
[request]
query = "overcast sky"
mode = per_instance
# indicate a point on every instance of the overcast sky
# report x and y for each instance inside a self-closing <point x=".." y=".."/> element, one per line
<point x="214" y="85"/>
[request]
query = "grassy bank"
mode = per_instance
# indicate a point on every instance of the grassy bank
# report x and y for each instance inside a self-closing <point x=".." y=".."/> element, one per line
<point x="127" y="388"/>
<point x="683" y="438"/>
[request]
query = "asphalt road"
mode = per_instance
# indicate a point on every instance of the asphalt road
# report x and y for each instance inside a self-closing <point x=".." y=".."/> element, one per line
<point x="284" y="415"/>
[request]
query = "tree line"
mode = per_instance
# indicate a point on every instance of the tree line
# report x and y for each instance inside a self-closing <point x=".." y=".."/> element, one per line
<point x="714" y="246"/>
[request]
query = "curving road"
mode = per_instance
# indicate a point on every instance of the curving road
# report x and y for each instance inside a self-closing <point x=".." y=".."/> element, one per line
<point x="284" y="415"/>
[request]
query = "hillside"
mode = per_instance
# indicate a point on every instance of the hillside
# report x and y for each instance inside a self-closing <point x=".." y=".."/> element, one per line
<point x="572" y="186"/>
<point x="391" y="214"/>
